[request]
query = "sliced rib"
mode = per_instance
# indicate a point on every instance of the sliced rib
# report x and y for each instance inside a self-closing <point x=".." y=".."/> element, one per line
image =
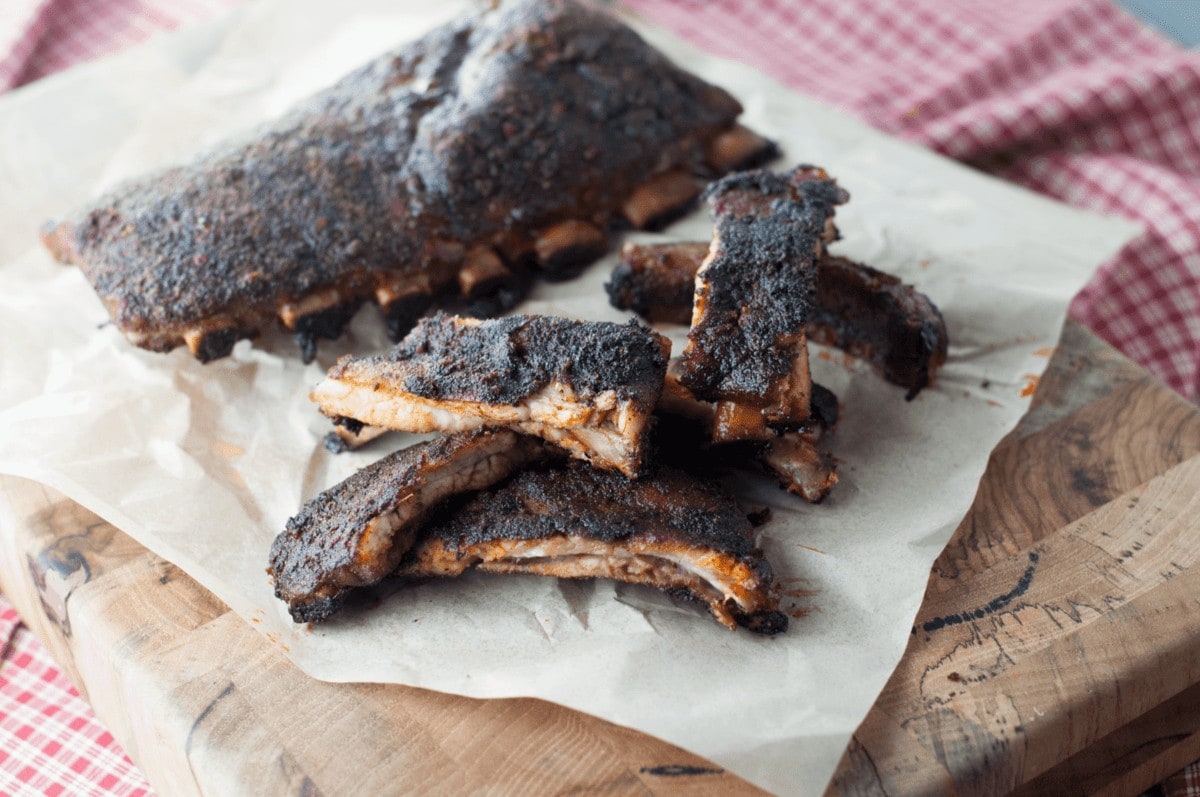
<point x="668" y="531"/>
<point x="589" y="387"/>
<point x="863" y="311"/>
<point x="747" y="348"/>
<point x="356" y="532"/>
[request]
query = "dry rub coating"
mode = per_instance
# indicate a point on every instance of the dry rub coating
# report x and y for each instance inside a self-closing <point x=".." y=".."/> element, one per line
<point x="438" y="172"/>
<point x="356" y="532"/>
<point x="754" y="295"/>
<point x="858" y="309"/>
<point x="590" y="387"/>
<point x="668" y="531"/>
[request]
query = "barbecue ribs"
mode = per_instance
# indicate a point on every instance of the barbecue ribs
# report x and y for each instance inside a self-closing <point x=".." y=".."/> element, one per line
<point x="858" y="309"/>
<point x="754" y="294"/>
<point x="436" y="173"/>
<point x="356" y="532"/>
<point x="667" y="531"/>
<point x="589" y="387"/>
<point x="797" y="458"/>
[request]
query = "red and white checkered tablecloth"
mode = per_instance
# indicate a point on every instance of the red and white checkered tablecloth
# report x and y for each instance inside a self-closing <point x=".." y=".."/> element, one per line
<point x="1072" y="98"/>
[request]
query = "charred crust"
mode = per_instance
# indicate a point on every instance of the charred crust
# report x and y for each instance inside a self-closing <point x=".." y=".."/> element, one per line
<point x="657" y="281"/>
<point x="402" y="314"/>
<point x="872" y="315"/>
<point x="758" y="287"/>
<point x="217" y="343"/>
<point x="334" y="443"/>
<point x="824" y="406"/>
<point x="351" y="425"/>
<point x="506" y="360"/>
<point x="562" y="114"/>
<point x="768" y="623"/>
<point x="325" y="324"/>
<point x="312" y="610"/>
<point x="578" y="500"/>
<point x="313" y="560"/>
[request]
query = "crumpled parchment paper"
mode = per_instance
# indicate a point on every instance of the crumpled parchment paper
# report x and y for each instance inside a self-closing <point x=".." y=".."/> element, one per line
<point x="203" y="464"/>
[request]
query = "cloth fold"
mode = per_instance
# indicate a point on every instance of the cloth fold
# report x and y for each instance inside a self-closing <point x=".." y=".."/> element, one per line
<point x="1072" y="98"/>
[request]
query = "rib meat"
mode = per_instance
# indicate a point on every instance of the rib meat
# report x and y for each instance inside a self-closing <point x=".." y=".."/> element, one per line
<point x="686" y="436"/>
<point x="435" y="173"/>
<point x="667" y="531"/>
<point x="859" y="309"/>
<point x="657" y="281"/>
<point x="754" y="293"/>
<point x="356" y="532"/>
<point x="589" y="387"/>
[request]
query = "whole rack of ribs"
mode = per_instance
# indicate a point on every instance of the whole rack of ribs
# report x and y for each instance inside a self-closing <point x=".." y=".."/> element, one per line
<point x="858" y="309"/>
<point x="589" y="387"/>
<point x="439" y="172"/>
<point x="355" y="533"/>
<point x="667" y="530"/>
<point x="747" y="348"/>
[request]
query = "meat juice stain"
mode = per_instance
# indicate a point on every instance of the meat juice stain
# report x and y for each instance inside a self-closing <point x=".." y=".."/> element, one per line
<point x="810" y="548"/>
<point x="1045" y="351"/>
<point x="1030" y="386"/>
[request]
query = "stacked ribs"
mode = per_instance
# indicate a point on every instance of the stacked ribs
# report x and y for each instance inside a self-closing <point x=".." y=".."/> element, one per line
<point x="581" y="450"/>
<point x="446" y="174"/>
<point x="564" y="405"/>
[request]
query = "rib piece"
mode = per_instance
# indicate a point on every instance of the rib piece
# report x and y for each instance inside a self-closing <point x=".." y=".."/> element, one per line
<point x="657" y="281"/>
<point x="858" y="309"/>
<point x="669" y="531"/>
<point x="350" y="435"/>
<point x="687" y="437"/>
<point x="754" y="292"/>
<point x="589" y="387"/>
<point x="356" y="532"/>
<point x="425" y="175"/>
<point x="874" y="316"/>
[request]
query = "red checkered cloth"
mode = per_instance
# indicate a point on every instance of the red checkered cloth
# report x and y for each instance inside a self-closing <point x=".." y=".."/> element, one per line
<point x="1072" y="98"/>
<point x="50" y="741"/>
<point x="40" y="37"/>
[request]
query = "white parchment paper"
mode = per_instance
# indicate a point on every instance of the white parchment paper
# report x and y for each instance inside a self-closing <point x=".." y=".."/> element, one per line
<point x="204" y="464"/>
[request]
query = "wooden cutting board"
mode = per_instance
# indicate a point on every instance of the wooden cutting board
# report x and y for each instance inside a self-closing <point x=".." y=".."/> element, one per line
<point x="1057" y="649"/>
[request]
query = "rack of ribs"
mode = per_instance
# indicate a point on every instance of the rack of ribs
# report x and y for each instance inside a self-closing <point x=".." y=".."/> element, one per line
<point x="589" y="387"/>
<point x="747" y="348"/>
<point x="440" y="173"/>
<point x="355" y="533"/>
<point x="863" y="311"/>
<point x="667" y="530"/>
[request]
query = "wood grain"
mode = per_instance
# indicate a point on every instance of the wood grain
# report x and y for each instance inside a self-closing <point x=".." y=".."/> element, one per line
<point x="1054" y="651"/>
<point x="204" y="706"/>
<point x="1058" y="631"/>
